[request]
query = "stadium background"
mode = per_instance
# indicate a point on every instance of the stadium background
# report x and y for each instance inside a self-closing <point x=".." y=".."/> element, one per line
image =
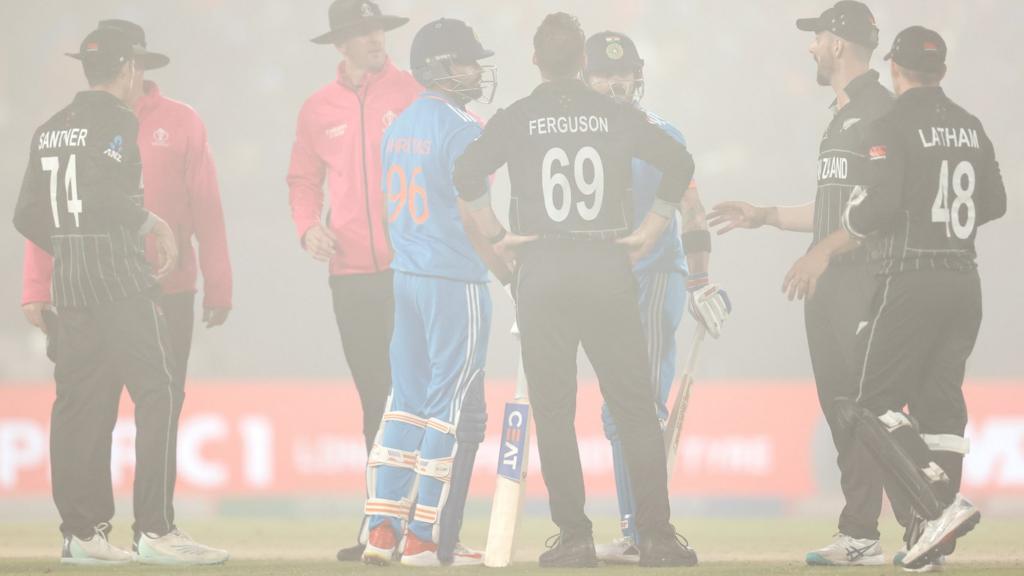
<point x="271" y="424"/>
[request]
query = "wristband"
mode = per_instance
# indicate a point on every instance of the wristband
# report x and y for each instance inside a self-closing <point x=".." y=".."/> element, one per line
<point x="696" y="241"/>
<point x="498" y="237"/>
<point x="697" y="281"/>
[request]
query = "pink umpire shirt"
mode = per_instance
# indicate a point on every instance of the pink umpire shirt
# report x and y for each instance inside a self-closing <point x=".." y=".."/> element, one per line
<point x="180" y="185"/>
<point x="338" y="139"/>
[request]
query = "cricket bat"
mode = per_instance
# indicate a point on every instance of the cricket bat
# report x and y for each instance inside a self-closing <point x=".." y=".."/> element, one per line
<point x="674" y="426"/>
<point x="513" y="458"/>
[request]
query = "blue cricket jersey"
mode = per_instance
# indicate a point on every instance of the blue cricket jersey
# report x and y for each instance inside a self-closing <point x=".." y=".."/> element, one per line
<point x="418" y="155"/>
<point x="667" y="255"/>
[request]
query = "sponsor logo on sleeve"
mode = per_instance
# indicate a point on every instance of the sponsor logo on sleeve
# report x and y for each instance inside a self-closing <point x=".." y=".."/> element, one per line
<point x="113" y="150"/>
<point x="877" y="152"/>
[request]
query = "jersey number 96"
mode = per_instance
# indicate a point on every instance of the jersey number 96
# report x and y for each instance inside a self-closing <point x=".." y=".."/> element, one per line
<point x="558" y="194"/>
<point x="408" y="193"/>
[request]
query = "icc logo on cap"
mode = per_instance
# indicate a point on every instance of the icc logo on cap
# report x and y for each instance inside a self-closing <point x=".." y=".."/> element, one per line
<point x="367" y="10"/>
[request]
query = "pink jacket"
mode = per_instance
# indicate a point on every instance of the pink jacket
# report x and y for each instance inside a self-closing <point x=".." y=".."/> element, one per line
<point x="338" y="138"/>
<point x="180" y="184"/>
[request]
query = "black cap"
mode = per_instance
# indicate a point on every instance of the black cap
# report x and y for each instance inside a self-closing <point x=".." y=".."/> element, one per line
<point x="920" y="49"/>
<point x="848" y="19"/>
<point x="149" y="60"/>
<point x="106" y="48"/>
<point x="442" y="42"/>
<point x="350" y="18"/>
<point x="613" y="53"/>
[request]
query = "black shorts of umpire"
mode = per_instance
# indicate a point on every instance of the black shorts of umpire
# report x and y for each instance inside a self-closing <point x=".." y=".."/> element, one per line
<point x="841" y="302"/>
<point x="99" y="349"/>
<point x="925" y="326"/>
<point x="573" y="293"/>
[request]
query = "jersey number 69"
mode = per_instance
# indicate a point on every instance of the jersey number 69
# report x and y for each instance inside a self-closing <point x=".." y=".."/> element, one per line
<point x="558" y="190"/>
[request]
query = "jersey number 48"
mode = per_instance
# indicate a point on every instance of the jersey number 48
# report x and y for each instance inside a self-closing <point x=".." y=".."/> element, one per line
<point x="558" y="190"/>
<point x="51" y="164"/>
<point x="963" y="187"/>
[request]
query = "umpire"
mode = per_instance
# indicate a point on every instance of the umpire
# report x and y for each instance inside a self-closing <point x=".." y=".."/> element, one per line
<point x="837" y="278"/>
<point x="80" y="201"/>
<point x="569" y="151"/>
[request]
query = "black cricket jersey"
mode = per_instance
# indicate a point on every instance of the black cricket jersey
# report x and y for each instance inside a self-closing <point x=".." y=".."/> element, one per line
<point x="933" y="181"/>
<point x="569" y="151"/>
<point x="81" y="201"/>
<point x="842" y="157"/>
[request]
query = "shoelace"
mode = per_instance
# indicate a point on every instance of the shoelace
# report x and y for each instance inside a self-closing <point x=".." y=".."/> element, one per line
<point x="101" y="530"/>
<point x="553" y="541"/>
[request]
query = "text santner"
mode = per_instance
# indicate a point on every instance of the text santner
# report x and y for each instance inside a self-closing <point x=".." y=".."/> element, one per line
<point x="568" y="125"/>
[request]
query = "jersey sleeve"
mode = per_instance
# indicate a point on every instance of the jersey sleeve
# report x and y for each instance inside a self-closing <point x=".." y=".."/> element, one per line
<point x="32" y="210"/>
<point x="306" y="174"/>
<point x="208" y="218"/>
<point x="482" y="158"/>
<point x="657" y="147"/>
<point x="117" y="166"/>
<point x="991" y="194"/>
<point x="873" y="207"/>
<point x="457" y="142"/>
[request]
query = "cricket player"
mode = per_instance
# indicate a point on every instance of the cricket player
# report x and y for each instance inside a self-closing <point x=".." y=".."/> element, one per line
<point x="338" y="139"/>
<point x="181" y="187"/>
<point x="80" y="202"/>
<point x="933" y="181"/>
<point x="676" y="265"/>
<point x="436" y="417"/>
<point x="569" y="152"/>
<point x="837" y="277"/>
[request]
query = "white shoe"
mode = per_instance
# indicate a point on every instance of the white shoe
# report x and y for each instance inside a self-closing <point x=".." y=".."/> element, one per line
<point x="94" y="551"/>
<point x="177" y="548"/>
<point x="847" y="551"/>
<point x="936" y="565"/>
<point x="956" y="520"/>
<point x="620" y="551"/>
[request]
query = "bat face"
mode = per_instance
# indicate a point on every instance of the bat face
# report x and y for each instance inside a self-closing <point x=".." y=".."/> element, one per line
<point x="514" y="439"/>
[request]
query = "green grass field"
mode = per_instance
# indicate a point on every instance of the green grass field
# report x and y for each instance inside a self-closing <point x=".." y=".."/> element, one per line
<point x="727" y="546"/>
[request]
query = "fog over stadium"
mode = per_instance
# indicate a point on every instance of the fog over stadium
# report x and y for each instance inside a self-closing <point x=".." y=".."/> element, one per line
<point x="272" y="442"/>
<point x="734" y="76"/>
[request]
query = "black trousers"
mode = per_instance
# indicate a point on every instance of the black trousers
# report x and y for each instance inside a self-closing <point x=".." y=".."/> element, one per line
<point x="99" y="349"/>
<point x="925" y="324"/>
<point x="364" y="307"/>
<point x="570" y="294"/>
<point x="842" y="302"/>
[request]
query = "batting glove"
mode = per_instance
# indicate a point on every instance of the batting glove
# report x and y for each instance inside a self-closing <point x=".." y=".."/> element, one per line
<point x="709" y="304"/>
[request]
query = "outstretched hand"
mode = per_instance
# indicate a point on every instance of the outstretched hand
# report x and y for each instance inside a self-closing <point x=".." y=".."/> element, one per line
<point x="728" y="216"/>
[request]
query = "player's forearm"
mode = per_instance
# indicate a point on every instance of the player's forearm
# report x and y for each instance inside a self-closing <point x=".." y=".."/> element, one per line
<point x="483" y="218"/>
<point x="484" y="249"/>
<point x="698" y="262"/>
<point x="791" y="218"/>
<point x="837" y="243"/>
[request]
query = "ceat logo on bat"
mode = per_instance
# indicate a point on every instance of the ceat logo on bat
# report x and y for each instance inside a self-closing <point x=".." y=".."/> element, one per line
<point x="513" y="441"/>
<point x="877" y="152"/>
